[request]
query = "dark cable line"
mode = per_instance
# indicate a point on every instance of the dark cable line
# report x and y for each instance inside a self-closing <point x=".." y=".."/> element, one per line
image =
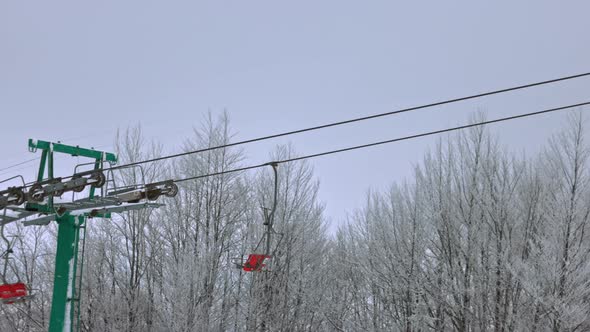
<point x="363" y="146"/>
<point x="339" y="123"/>
<point x="374" y="116"/>
<point x="18" y="164"/>
<point x="14" y="171"/>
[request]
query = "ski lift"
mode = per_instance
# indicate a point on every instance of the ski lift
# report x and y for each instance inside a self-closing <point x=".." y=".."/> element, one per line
<point x="13" y="195"/>
<point x="154" y="190"/>
<point x="11" y="292"/>
<point x="96" y="177"/>
<point x="138" y="191"/>
<point x="56" y="186"/>
<point x="126" y="193"/>
<point x="255" y="261"/>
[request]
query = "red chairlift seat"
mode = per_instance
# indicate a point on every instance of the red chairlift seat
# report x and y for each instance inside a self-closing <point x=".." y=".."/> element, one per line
<point x="10" y="293"/>
<point x="255" y="262"/>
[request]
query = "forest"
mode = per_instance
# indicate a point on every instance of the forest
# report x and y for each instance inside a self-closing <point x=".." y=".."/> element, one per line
<point x="480" y="238"/>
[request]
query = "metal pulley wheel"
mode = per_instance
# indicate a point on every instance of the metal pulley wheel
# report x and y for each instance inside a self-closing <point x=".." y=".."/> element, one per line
<point x="36" y="193"/>
<point x="99" y="178"/>
<point x="171" y="189"/>
<point x="19" y="196"/>
<point x="79" y="188"/>
<point x="152" y="194"/>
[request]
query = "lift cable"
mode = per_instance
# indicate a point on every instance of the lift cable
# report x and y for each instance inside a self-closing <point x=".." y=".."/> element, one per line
<point x="18" y="164"/>
<point x="339" y="123"/>
<point x="363" y="146"/>
<point x="333" y="124"/>
<point x="364" y="118"/>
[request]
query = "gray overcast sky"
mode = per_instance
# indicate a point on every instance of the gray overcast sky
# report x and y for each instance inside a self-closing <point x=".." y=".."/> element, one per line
<point x="76" y="71"/>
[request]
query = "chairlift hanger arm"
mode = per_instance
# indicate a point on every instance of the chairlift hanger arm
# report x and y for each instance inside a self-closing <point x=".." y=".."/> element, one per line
<point x="270" y="218"/>
<point x="255" y="261"/>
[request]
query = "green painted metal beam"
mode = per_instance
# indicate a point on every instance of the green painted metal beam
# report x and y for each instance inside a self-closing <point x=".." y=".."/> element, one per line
<point x="64" y="298"/>
<point x="42" y="208"/>
<point x="72" y="150"/>
<point x="41" y="173"/>
<point x="64" y="293"/>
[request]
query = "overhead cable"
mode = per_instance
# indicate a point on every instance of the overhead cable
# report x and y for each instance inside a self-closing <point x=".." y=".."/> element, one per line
<point x="18" y="164"/>
<point x="399" y="139"/>
<point x="364" y="118"/>
<point x="339" y="123"/>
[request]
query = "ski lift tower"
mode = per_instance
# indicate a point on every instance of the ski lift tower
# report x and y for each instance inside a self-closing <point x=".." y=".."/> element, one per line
<point x="68" y="233"/>
<point x="71" y="216"/>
